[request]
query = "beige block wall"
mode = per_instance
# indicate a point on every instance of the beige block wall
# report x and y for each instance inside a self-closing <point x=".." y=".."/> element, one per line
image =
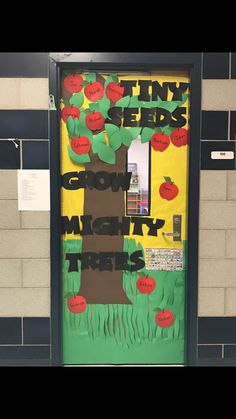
<point x="217" y="244"/>
<point x="24" y="255"/>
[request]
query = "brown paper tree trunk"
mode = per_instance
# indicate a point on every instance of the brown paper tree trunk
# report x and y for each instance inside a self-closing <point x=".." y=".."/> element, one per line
<point x="104" y="287"/>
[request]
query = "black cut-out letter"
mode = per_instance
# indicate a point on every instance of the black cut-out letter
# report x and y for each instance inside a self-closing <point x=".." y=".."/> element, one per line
<point x="86" y="225"/>
<point x="102" y="226"/>
<point x="130" y="117"/>
<point x="102" y="180"/>
<point x="163" y="117"/>
<point x="105" y="261"/>
<point x="73" y="258"/>
<point x="70" y="181"/>
<point x="121" y="261"/>
<point x="147" y="118"/>
<point x="139" y="263"/>
<point x="153" y="227"/>
<point x="89" y="259"/>
<point x="128" y="85"/>
<point x="179" y="120"/>
<point x="178" y="91"/>
<point x="118" y="227"/>
<point x="144" y="88"/>
<point x="70" y="226"/>
<point x="120" y="180"/>
<point x="115" y="115"/>
<point x="159" y="91"/>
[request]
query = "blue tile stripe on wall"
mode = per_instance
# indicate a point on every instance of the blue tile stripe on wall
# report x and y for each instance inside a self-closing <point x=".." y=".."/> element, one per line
<point x="24" y="64"/>
<point x="25" y="338"/>
<point x="24" y="124"/>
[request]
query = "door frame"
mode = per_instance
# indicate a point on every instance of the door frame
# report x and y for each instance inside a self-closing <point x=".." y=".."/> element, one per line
<point x="128" y="62"/>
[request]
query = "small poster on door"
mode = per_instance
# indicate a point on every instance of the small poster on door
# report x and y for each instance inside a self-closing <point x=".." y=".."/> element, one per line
<point x="33" y="190"/>
<point x="164" y="259"/>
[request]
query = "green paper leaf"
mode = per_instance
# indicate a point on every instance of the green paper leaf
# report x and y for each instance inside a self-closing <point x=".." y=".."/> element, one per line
<point x="110" y="129"/>
<point x="91" y="77"/>
<point x="106" y="154"/>
<point x="70" y="125"/>
<point x="146" y="134"/>
<point x="124" y="102"/>
<point x="184" y="98"/>
<point x="66" y="102"/>
<point x="77" y="100"/>
<point x="115" y="78"/>
<point x="168" y="179"/>
<point x="68" y="295"/>
<point x="98" y="139"/>
<point x="103" y="106"/>
<point x="158" y="309"/>
<point x="167" y="130"/>
<point x="78" y="158"/>
<point x="93" y="107"/>
<point x="116" y="140"/>
<point x="168" y="105"/>
<point x="150" y="105"/>
<point x="158" y="129"/>
<point x="82" y="127"/>
<point x="134" y="102"/>
<point x="108" y="80"/>
<point x="76" y="127"/>
<point x="84" y="83"/>
<point x="126" y="137"/>
<point x="135" y="132"/>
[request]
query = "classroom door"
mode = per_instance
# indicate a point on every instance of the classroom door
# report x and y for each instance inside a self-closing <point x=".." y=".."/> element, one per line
<point x="124" y="166"/>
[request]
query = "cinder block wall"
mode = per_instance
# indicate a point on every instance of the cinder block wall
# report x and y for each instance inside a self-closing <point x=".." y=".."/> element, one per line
<point x="217" y="230"/>
<point x="24" y="236"/>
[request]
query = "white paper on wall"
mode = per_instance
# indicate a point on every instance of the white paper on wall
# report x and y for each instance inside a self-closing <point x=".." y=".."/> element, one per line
<point x="33" y="190"/>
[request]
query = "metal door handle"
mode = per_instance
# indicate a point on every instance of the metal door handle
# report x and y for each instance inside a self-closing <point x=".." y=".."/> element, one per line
<point x="171" y="234"/>
<point x="176" y="234"/>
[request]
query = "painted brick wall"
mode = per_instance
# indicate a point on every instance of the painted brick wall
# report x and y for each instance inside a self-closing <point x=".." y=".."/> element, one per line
<point x="24" y="236"/>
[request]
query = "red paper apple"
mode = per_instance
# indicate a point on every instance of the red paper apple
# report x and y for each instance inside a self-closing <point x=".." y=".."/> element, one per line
<point x="146" y="284"/>
<point x="168" y="190"/>
<point x="94" y="91"/>
<point x="73" y="82"/>
<point x="94" y="121"/>
<point x="165" y="318"/>
<point x="179" y="137"/>
<point x="160" y="141"/>
<point x="70" y="111"/>
<point x="114" y="91"/>
<point x="80" y="145"/>
<point x="77" y="304"/>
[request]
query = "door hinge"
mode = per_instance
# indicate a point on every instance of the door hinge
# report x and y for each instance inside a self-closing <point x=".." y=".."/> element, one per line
<point x="52" y="105"/>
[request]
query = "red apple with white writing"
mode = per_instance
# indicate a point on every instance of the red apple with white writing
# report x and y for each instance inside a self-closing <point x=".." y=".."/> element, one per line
<point x="70" y="111"/>
<point x="114" y="91"/>
<point x="179" y="137"/>
<point x="160" y="141"/>
<point x="81" y="145"/>
<point x="77" y="304"/>
<point x="168" y="190"/>
<point x="94" y="121"/>
<point x="164" y="318"/>
<point x="73" y="82"/>
<point x="94" y="91"/>
<point x="146" y="284"/>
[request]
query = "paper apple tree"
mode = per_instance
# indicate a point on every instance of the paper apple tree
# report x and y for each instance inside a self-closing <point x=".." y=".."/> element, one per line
<point x="98" y="140"/>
